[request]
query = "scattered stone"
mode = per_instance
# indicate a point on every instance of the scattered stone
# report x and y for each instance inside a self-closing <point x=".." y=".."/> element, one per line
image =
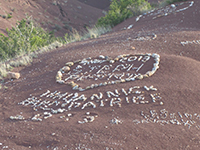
<point x="69" y="64"/>
<point x="133" y="47"/>
<point x="116" y="121"/>
<point x="89" y="118"/>
<point x="112" y="61"/>
<point x="13" y="75"/>
<point x="66" y="68"/>
<point x="60" y="81"/>
<point x="139" y="77"/>
<point x="59" y="75"/>
<point x="17" y="117"/>
<point x="101" y="56"/>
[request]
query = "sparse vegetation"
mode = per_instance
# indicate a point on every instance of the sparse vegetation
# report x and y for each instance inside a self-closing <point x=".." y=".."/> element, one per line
<point x="23" y="42"/>
<point x="163" y="3"/>
<point x="73" y="37"/>
<point x="25" y="60"/>
<point x="57" y="27"/>
<point x="9" y="16"/>
<point x="174" y="1"/>
<point x="26" y="37"/>
<point x="67" y="26"/>
<point x="96" y="31"/>
<point x="26" y="40"/>
<point x="3" y="69"/>
<point x="120" y="10"/>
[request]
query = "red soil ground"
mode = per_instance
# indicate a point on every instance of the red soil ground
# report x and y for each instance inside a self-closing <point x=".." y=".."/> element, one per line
<point x="59" y="15"/>
<point x="172" y="122"/>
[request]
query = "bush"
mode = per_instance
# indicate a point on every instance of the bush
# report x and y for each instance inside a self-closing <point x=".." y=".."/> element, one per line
<point x="26" y="37"/>
<point x="9" y="16"/>
<point x="26" y="40"/>
<point x="121" y="10"/>
<point x="174" y="1"/>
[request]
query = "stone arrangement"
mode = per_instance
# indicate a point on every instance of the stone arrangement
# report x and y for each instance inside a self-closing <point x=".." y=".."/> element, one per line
<point x="161" y="12"/>
<point x="163" y="117"/>
<point x="190" y="42"/>
<point x="148" y="37"/>
<point x="88" y="118"/>
<point x="55" y="102"/>
<point x="104" y="70"/>
<point x="17" y="117"/>
<point x="100" y="71"/>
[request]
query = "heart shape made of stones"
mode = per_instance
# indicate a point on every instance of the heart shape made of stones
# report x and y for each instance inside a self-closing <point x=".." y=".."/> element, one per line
<point x="89" y="73"/>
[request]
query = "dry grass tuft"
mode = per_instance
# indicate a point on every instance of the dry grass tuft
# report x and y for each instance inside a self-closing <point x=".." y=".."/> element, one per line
<point x="96" y="32"/>
<point x="3" y="69"/>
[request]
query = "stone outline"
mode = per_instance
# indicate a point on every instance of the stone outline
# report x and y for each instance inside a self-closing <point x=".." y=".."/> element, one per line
<point x="76" y="86"/>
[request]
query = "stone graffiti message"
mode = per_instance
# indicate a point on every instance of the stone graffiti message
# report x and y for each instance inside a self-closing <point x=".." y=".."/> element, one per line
<point x="167" y="10"/>
<point x="90" y="73"/>
<point x="164" y="117"/>
<point x="162" y="12"/>
<point x="190" y="42"/>
<point x="148" y="37"/>
<point x="56" y="102"/>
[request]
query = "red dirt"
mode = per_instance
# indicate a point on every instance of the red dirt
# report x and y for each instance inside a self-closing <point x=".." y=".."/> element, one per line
<point x="59" y="15"/>
<point x="139" y="127"/>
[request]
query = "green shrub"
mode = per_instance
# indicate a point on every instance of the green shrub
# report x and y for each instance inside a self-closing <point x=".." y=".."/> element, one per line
<point x="26" y="40"/>
<point x="26" y="37"/>
<point x="174" y="1"/>
<point x="9" y="16"/>
<point x="121" y="10"/>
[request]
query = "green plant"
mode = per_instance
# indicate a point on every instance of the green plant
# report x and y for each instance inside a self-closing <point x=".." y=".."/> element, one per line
<point x="174" y="1"/>
<point x="26" y="37"/>
<point x="26" y="40"/>
<point x="9" y="16"/>
<point x="139" y="8"/>
<point x="3" y="71"/>
<point x="121" y="10"/>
